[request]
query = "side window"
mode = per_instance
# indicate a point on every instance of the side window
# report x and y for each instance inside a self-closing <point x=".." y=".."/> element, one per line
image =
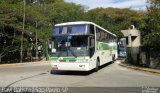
<point x="102" y="35"/>
<point x="110" y="38"/>
<point x="115" y="40"/>
<point x="91" y="27"/>
<point x="106" y="37"/>
<point x="98" y="35"/>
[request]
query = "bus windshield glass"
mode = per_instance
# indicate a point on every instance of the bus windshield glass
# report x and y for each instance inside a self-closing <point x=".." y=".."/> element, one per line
<point x="70" y="29"/>
<point x="78" y="29"/>
<point x="70" y="46"/>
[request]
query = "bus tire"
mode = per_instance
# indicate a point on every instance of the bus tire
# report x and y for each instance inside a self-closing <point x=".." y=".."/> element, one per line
<point x="51" y="72"/>
<point x="113" y="58"/>
<point x="97" y="65"/>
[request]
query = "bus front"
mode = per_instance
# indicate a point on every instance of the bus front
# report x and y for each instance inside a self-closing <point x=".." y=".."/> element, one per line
<point x="71" y="47"/>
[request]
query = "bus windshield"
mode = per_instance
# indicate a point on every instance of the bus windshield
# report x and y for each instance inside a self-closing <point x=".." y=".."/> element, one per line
<point x="70" y="46"/>
<point x="78" y="29"/>
<point x="71" y="29"/>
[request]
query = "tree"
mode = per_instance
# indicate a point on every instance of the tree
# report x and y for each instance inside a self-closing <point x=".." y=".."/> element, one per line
<point x="41" y="15"/>
<point x="152" y="33"/>
<point x="115" y="19"/>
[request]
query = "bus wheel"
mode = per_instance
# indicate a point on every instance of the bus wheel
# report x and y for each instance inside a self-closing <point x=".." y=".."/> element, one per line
<point x="51" y="72"/>
<point x="97" y="65"/>
<point x="113" y="58"/>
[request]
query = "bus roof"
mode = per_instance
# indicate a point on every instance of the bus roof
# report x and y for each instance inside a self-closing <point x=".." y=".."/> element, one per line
<point x="83" y="22"/>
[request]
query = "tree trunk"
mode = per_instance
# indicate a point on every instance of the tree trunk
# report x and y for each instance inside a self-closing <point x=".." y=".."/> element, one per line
<point x="148" y="56"/>
<point x="0" y="58"/>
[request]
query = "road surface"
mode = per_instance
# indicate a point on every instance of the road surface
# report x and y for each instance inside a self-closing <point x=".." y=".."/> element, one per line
<point x="110" y="75"/>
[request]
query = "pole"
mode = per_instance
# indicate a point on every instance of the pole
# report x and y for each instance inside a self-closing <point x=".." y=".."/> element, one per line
<point x="36" y="42"/>
<point x="130" y="37"/>
<point x="46" y="50"/>
<point x="21" y="50"/>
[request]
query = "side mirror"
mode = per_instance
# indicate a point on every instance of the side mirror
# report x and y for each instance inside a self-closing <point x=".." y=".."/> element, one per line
<point x="91" y="42"/>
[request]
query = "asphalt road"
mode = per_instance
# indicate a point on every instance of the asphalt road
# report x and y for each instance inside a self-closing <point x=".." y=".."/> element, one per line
<point x="108" y="77"/>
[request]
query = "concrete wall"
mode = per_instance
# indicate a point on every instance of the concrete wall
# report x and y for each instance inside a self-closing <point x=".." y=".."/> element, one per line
<point x="133" y="55"/>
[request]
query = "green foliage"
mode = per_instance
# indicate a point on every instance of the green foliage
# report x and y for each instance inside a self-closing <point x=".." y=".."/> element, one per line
<point x="152" y="34"/>
<point x="152" y="39"/>
<point x="115" y="20"/>
<point x="43" y="14"/>
<point x="51" y="12"/>
<point x="40" y="17"/>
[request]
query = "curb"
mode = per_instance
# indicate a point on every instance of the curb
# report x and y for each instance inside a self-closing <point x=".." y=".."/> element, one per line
<point x="26" y="63"/>
<point x="140" y="68"/>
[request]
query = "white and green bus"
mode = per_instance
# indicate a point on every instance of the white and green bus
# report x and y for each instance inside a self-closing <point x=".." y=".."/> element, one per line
<point x="81" y="46"/>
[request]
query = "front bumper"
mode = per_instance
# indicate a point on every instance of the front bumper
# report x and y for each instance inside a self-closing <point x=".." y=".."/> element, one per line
<point x="72" y="66"/>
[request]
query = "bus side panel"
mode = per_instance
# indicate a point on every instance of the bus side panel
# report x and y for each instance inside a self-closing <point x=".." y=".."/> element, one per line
<point x="92" y="62"/>
<point x="104" y="56"/>
<point x="107" y="56"/>
<point x="104" y="52"/>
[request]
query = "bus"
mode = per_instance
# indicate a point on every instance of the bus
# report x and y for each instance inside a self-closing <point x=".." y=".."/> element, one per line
<point x="81" y="46"/>
<point x="122" y="47"/>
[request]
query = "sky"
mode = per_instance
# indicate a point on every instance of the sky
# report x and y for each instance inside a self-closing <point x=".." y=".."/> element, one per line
<point x="133" y="4"/>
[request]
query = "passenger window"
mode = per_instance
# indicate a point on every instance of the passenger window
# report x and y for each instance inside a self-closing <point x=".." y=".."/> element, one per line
<point x="102" y="36"/>
<point x="105" y="36"/>
<point x="98" y="34"/>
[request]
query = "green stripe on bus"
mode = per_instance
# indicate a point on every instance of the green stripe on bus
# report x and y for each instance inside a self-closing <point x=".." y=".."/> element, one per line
<point x="54" y="58"/>
<point x="63" y="58"/>
<point x="69" y="58"/>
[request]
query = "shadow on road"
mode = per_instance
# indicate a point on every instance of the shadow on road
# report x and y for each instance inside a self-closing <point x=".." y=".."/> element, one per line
<point x="121" y="58"/>
<point x="75" y="73"/>
<point x="8" y="86"/>
<point x="78" y="73"/>
<point x="105" y="65"/>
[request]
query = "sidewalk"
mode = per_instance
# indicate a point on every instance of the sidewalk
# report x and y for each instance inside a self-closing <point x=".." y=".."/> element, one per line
<point x="25" y="63"/>
<point x="140" y="68"/>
